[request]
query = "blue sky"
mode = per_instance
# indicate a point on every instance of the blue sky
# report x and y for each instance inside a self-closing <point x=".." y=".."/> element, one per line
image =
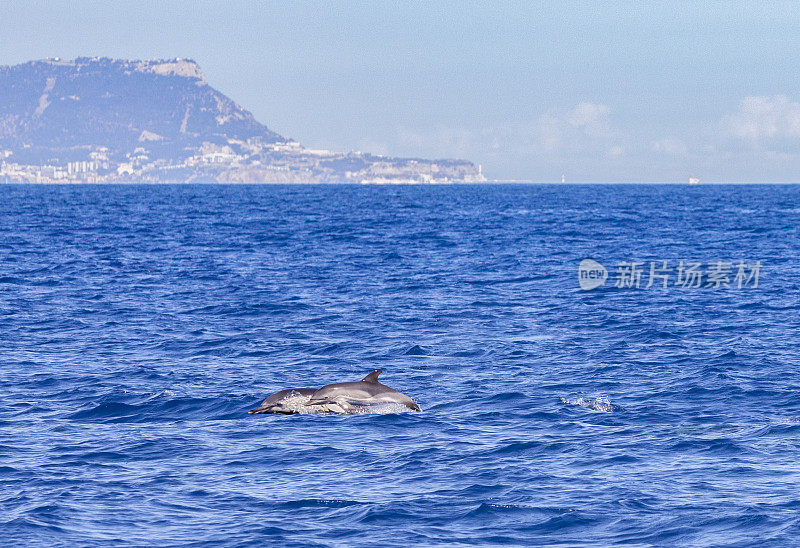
<point x="598" y="91"/>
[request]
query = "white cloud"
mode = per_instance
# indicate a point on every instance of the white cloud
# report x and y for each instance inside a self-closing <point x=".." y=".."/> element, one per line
<point x="763" y="117"/>
<point x="591" y="117"/>
<point x="579" y="134"/>
<point x="577" y="127"/>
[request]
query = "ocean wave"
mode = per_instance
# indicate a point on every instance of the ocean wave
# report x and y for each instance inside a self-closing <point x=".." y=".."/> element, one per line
<point x="140" y="324"/>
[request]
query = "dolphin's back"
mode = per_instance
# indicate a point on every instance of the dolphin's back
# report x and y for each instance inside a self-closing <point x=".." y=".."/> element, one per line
<point x="364" y="392"/>
<point x="352" y="390"/>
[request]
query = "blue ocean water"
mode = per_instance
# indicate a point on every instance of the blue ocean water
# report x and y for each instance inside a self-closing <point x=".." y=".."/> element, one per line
<point x="138" y="324"/>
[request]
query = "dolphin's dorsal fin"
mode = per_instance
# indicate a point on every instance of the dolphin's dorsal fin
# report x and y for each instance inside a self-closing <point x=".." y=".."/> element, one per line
<point x="372" y="377"/>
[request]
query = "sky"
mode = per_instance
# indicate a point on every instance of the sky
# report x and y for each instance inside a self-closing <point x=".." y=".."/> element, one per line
<point x="594" y="91"/>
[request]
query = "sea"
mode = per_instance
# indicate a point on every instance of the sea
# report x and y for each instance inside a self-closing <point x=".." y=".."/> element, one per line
<point x="140" y="323"/>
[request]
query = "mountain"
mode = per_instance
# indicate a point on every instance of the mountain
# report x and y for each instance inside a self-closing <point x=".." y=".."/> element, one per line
<point x="107" y="120"/>
<point x="57" y="105"/>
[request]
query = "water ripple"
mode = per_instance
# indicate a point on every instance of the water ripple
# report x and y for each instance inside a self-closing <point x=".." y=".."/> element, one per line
<point x="139" y="324"/>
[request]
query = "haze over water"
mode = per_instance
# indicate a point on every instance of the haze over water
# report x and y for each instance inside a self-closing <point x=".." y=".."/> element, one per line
<point x="140" y="323"/>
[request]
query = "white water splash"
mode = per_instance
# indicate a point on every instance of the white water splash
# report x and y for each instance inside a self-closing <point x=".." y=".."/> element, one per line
<point x="601" y="404"/>
<point x="162" y="394"/>
<point x="299" y="404"/>
<point x="295" y="403"/>
<point x="345" y="407"/>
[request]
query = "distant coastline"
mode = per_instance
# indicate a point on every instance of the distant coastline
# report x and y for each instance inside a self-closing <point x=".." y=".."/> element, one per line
<point x="100" y="120"/>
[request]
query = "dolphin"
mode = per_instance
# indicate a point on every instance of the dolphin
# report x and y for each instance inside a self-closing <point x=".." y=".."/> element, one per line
<point x="343" y="398"/>
<point x="350" y="397"/>
<point x="286" y="402"/>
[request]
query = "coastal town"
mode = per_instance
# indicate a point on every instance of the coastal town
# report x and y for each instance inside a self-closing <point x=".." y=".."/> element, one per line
<point x="238" y="161"/>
